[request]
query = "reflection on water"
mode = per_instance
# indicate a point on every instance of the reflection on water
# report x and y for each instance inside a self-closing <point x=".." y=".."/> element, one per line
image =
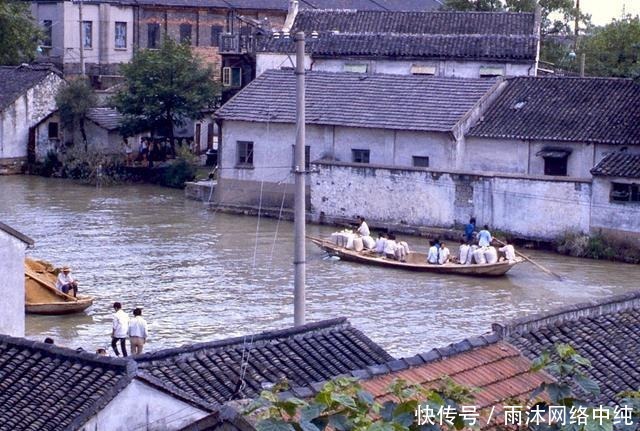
<point x="202" y="275"/>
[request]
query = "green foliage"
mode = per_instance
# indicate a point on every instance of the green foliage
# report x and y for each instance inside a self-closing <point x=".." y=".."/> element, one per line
<point x="474" y="5"/>
<point x="163" y="88"/>
<point x="18" y="35"/>
<point x="49" y="166"/>
<point x="182" y="169"/>
<point x="597" y="246"/>
<point x="343" y="405"/>
<point x="74" y="102"/>
<point x="614" y="50"/>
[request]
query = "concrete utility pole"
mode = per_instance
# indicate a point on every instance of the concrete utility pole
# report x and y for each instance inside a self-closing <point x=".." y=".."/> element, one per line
<point x="576" y="27"/>
<point x="82" y="71"/>
<point x="299" y="202"/>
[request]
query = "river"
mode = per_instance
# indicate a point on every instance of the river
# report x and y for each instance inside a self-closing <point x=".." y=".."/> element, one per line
<point x="202" y="275"/>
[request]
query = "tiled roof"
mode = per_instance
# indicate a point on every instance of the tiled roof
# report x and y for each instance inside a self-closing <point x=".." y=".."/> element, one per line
<point x="605" y="332"/>
<point x="388" y="5"/>
<point x="314" y="352"/>
<point x="497" y="370"/>
<point x="587" y="110"/>
<point x="424" y="46"/>
<point x="283" y="5"/>
<point x="16" y="80"/>
<point x="620" y="164"/>
<point x="469" y="23"/>
<point x="45" y="387"/>
<point x="107" y="118"/>
<point x="401" y="102"/>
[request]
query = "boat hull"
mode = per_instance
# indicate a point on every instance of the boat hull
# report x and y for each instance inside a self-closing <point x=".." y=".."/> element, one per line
<point x="58" y="308"/>
<point x="416" y="262"/>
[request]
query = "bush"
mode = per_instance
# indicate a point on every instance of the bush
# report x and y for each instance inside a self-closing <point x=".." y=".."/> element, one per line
<point x="597" y="246"/>
<point x="183" y="169"/>
<point x="50" y="164"/>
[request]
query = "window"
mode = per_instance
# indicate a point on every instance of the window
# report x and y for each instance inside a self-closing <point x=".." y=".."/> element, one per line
<point x="555" y="161"/>
<point x="421" y="161"/>
<point x="121" y="35"/>
<point x="360" y="156"/>
<point x="621" y="192"/>
<point x="307" y="157"/>
<point x="232" y="77"/>
<point x="47" y="38"/>
<point x="488" y="72"/>
<point x="153" y="35"/>
<point x="417" y="69"/>
<point x="245" y="153"/>
<point x="216" y="30"/>
<point x="356" y="68"/>
<point x="185" y="33"/>
<point x="87" y="34"/>
<point x="53" y="130"/>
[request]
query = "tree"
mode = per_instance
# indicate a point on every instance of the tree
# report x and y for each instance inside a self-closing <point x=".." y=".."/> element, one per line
<point x="74" y="101"/>
<point x="614" y="50"/>
<point x="19" y="35"/>
<point x="474" y="5"/>
<point x="164" y="88"/>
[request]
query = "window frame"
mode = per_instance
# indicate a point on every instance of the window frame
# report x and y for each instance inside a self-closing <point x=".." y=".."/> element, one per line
<point x="47" y="30"/>
<point x="216" y="31"/>
<point x="122" y="25"/>
<point x="184" y="28"/>
<point x="228" y="77"/>
<point x="87" y="34"/>
<point x="153" y="28"/>
<point x="307" y="157"/>
<point x="56" y="126"/>
<point x="550" y="169"/>
<point x="360" y="154"/>
<point x="632" y="191"/>
<point x="355" y="68"/>
<point x="245" y="150"/>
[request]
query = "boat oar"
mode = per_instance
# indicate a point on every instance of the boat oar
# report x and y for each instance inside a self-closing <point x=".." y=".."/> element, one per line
<point x="534" y="263"/>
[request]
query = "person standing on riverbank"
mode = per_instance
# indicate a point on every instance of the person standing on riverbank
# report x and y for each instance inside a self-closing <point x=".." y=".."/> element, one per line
<point x="137" y="332"/>
<point x="120" y="329"/>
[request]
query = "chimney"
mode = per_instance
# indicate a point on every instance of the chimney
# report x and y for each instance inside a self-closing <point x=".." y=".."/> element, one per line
<point x="291" y="15"/>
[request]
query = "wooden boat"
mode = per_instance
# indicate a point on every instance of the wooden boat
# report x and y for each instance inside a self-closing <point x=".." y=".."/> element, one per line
<point x="41" y="295"/>
<point x="415" y="261"/>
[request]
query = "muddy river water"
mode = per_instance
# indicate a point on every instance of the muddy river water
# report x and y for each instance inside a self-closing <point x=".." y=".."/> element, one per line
<point x="202" y="275"/>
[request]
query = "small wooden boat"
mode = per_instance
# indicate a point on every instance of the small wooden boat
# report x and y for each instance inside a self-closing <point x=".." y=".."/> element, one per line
<point x="415" y="261"/>
<point x="41" y="295"/>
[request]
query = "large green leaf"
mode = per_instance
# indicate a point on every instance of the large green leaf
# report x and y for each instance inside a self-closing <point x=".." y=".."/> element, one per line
<point x="272" y="424"/>
<point x="343" y="400"/>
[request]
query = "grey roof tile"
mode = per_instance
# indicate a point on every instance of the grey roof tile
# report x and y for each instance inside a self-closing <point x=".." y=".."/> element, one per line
<point x="585" y="110"/>
<point x="620" y="164"/>
<point x="303" y="355"/>
<point x="107" y="118"/>
<point x="359" y="100"/>
<point x="15" y="80"/>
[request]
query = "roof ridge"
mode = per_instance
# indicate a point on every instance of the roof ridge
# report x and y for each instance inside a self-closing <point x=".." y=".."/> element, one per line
<point x="591" y="309"/>
<point x="17" y="234"/>
<point x="261" y="336"/>
<point x="150" y="379"/>
<point x="127" y="365"/>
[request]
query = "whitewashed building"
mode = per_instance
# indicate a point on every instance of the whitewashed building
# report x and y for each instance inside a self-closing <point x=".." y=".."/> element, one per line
<point x="436" y="43"/>
<point x="12" y="248"/>
<point x="27" y="96"/>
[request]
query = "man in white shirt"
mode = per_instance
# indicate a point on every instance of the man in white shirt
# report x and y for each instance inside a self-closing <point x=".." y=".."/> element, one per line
<point x="137" y="332"/>
<point x="464" y="256"/>
<point x="509" y="252"/>
<point x="66" y="282"/>
<point x="484" y="237"/>
<point x="444" y="254"/>
<point x="380" y="243"/>
<point x="363" y="228"/>
<point x="120" y="329"/>
<point x="390" y="247"/>
<point x="432" y="257"/>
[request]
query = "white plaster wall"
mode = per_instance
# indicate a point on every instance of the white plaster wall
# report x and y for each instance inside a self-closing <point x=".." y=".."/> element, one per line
<point x="140" y="406"/>
<point x="526" y="206"/>
<point x="55" y="13"/>
<point x="11" y="285"/>
<point x="71" y="42"/>
<point x="496" y="155"/>
<point x="27" y="111"/>
<point x="118" y="13"/>
<point x="624" y="217"/>
<point x="439" y="147"/>
<point x="268" y="61"/>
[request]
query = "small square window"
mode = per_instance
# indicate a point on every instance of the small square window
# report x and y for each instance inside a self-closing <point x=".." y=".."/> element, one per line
<point x="53" y="130"/>
<point x="307" y="156"/>
<point x="360" y="156"/>
<point x="245" y="153"/>
<point x="356" y="68"/>
<point x="121" y="35"/>
<point x="232" y="77"/>
<point x="185" y="33"/>
<point x="417" y="69"/>
<point x="421" y="161"/>
<point x="555" y="166"/>
<point x="488" y="72"/>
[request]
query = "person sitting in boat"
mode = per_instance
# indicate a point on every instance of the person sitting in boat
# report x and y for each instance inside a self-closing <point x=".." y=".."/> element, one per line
<point x="363" y="228"/>
<point x="443" y="256"/>
<point x="402" y="251"/>
<point x="432" y="256"/>
<point x="380" y="243"/>
<point x="484" y="237"/>
<point x="66" y="282"/>
<point x="509" y="252"/>
<point x="469" y="229"/>
<point x="464" y="255"/>
<point x="390" y="247"/>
